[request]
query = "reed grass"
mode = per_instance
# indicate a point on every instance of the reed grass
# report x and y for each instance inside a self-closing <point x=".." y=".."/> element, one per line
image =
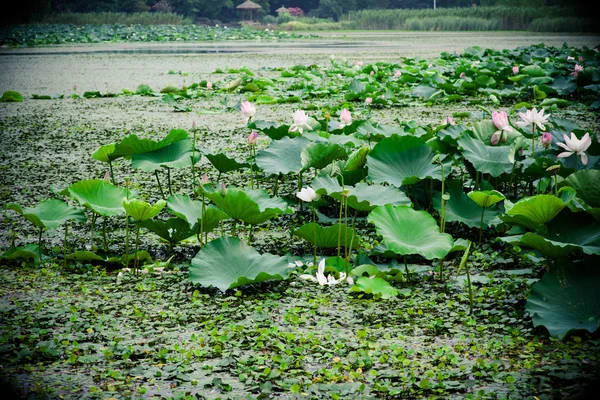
<point x="105" y="18"/>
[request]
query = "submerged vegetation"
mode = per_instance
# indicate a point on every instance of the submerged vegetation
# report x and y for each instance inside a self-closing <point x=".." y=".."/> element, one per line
<point x="326" y="255"/>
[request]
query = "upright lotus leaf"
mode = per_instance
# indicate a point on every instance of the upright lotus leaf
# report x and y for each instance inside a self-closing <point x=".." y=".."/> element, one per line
<point x="566" y="299"/>
<point x="365" y="197"/>
<point x="485" y="198"/>
<point x="493" y="160"/>
<point x="327" y="238"/>
<point x="174" y="155"/>
<point x="282" y="156"/>
<point x="173" y="230"/>
<point x="402" y="160"/>
<point x="320" y="155"/>
<point x="224" y="164"/>
<point x="30" y="252"/>
<point x="357" y="159"/>
<point x="105" y="153"/>
<point x="460" y="208"/>
<point x="406" y="231"/>
<point x="49" y="214"/>
<point x="272" y="129"/>
<point x="11" y="96"/>
<point x="141" y="211"/>
<point x="548" y="248"/>
<point x="253" y="206"/>
<point x="99" y="196"/>
<point x="324" y="183"/>
<point x="378" y="287"/>
<point x="131" y="144"/>
<point x="534" y="212"/>
<point x="228" y="262"/>
<point x="190" y="211"/>
<point x="587" y="184"/>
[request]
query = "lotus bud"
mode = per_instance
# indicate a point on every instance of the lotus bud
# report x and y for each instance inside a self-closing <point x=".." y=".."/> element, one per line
<point x="430" y="65"/>
<point x="578" y="69"/>
<point x="209" y="85"/>
<point x="204" y="180"/>
<point x="495" y="138"/>
<point x="253" y="138"/>
<point x="462" y="75"/>
<point x="546" y="139"/>
<point x="345" y="117"/>
<point x="223" y="190"/>
<point x="372" y="73"/>
<point x="193" y="126"/>
<point x="515" y="70"/>
<point x="368" y="100"/>
<point x="339" y="76"/>
<point x="448" y="120"/>
<point x="359" y="63"/>
<point x="107" y="176"/>
<point x="580" y="58"/>
<point x="397" y="74"/>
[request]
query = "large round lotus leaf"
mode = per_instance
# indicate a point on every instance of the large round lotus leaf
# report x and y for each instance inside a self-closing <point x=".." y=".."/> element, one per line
<point x="587" y="185"/>
<point x="534" y="212"/>
<point x="175" y="155"/>
<point x="227" y="263"/>
<point x="378" y="287"/>
<point x="99" y="196"/>
<point x="377" y="132"/>
<point x="173" y="230"/>
<point x="402" y="160"/>
<point x="105" y="153"/>
<point x="131" y="144"/>
<point x="548" y="248"/>
<point x="49" y="214"/>
<point x="327" y="238"/>
<point x="460" y="208"/>
<point x="406" y="231"/>
<point x="483" y="130"/>
<point x="493" y="160"/>
<point x="566" y="299"/>
<point x="140" y="210"/>
<point x="251" y="206"/>
<point x="577" y="229"/>
<point x="273" y="130"/>
<point x="190" y="211"/>
<point x="282" y="156"/>
<point x="223" y="163"/>
<point x="485" y="198"/>
<point x="319" y="155"/>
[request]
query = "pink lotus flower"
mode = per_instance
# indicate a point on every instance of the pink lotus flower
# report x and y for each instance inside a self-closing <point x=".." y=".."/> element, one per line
<point x="577" y="70"/>
<point x="368" y="100"/>
<point x="345" y="118"/>
<point x="576" y="146"/>
<point x="209" y="85"/>
<point x="397" y="74"/>
<point x="500" y="120"/>
<point x="372" y="73"/>
<point x="359" y="63"/>
<point x="204" y="180"/>
<point x="300" y="122"/>
<point x="546" y="139"/>
<point x="580" y="58"/>
<point x="515" y="70"/>
<point x="430" y="65"/>
<point x="448" y="120"/>
<point x="462" y="75"/>
<point x="253" y="138"/>
<point x="248" y="110"/>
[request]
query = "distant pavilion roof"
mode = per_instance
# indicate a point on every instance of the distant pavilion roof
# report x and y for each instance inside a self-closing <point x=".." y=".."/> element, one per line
<point x="248" y="5"/>
<point x="282" y="10"/>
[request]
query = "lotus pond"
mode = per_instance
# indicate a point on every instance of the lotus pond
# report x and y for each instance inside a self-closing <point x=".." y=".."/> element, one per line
<point x="413" y="228"/>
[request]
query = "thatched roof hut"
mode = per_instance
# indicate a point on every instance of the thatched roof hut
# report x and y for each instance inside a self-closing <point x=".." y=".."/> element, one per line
<point x="247" y="9"/>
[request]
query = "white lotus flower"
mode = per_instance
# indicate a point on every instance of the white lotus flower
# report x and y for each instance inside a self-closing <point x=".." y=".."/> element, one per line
<point x="300" y="122"/>
<point x="576" y="146"/>
<point x="308" y="194"/>
<point x="532" y="118"/>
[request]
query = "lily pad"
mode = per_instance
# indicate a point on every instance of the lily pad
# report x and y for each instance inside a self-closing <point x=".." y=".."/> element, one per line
<point x="378" y="287"/>
<point x="228" y="262"/>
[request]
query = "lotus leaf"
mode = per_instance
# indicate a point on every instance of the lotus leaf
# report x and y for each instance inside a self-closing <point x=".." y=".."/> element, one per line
<point x="228" y="262"/>
<point x="460" y="208"/>
<point x="173" y="230"/>
<point x="587" y="185"/>
<point x="493" y="160"/>
<point x="174" y="155"/>
<point x="140" y="210"/>
<point x="131" y="144"/>
<point x="485" y="198"/>
<point x="224" y="164"/>
<point x="105" y="153"/>
<point x="99" y="196"/>
<point x="282" y="156"/>
<point x="406" y="231"/>
<point x="319" y="155"/>
<point x="27" y="253"/>
<point x="566" y="299"/>
<point x="190" y="211"/>
<point x="378" y="287"/>
<point x="49" y="214"/>
<point x="327" y="238"/>
<point x="534" y="212"/>
<point x="403" y="160"/>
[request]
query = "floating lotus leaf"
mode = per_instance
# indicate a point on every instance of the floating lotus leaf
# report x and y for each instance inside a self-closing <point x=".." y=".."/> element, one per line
<point x="319" y="155"/>
<point x="99" y="196"/>
<point x="534" y="212"/>
<point x="402" y="160"/>
<point x="228" y="262"/>
<point x="406" y="231"/>
<point x="224" y="164"/>
<point x="493" y="160"/>
<point x="131" y="144"/>
<point x="173" y="230"/>
<point x="378" y="287"/>
<point x="174" y="155"/>
<point x="327" y="238"/>
<point x="140" y="210"/>
<point x="460" y="208"/>
<point x="30" y="252"/>
<point x="253" y="206"/>
<point x="105" y="153"/>
<point x="566" y="299"/>
<point x="282" y="156"/>
<point x="485" y="198"/>
<point x="49" y="214"/>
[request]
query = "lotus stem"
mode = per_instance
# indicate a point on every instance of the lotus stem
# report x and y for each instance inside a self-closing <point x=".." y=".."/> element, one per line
<point x="406" y="269"/>
<point x="104" y="234"/>
<point x="340" y="226"/>
<point x="92" y="231"/>
<point x="346" y="233"/>
<point x="276" y="185"/>
<point x="169" y="180"/>
<point x="533" y="142"/>
<point x="300" y="188"/>
<point x="159" y="185"/>
<point x="126" y="241"/>
<point x="351" y="242"/>
<point x="136" y="263"/>
<point x="481" y="224"/>
<point x="192" y="159"/>
<point x="234" y="231"/>
<point x="40" y="244"/>
<point x="251" y="234"/>
<point x="312" y="205"/>
<point x="112" y="175"/>
<point x="202" y="219"/>
<point x="65" y="244"/>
